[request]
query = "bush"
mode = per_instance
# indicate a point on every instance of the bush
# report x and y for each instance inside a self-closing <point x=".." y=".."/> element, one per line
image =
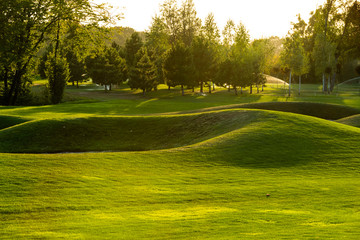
<point x="57" y="71"/>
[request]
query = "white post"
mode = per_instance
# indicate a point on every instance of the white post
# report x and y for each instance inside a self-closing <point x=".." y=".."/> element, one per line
<point x="290" y="84"/>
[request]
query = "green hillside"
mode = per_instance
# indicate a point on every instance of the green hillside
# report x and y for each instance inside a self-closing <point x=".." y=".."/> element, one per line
<point x="214" y="188"/>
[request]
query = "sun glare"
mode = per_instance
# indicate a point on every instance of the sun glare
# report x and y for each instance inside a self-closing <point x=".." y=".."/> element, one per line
<point x="262" y="18"/>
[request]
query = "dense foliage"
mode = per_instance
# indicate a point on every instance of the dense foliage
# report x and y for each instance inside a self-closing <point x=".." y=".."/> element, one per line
<point x="323" y="50"/>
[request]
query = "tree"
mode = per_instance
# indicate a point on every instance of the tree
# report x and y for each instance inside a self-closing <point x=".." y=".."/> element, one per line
<point x="57" y="71"/>
<point x="178" y="67"/>
<point x="170" y="17"/>
<point x="210" y="30"/>
<point x="76" y="68"/>
<point x="204" y="61"/>
<point x="190" y="24"/>
<point x="229" y="33"/>
<point x="106" y="67"/>
<point x="25" y="24"/>
<point x="157" y="44"/>
<point x="294" y="56"/>
<point x="132" y="46"/>
<point x="211" y="33"/>
<point x="240" y="54"/>
<point x="143" y="76"/>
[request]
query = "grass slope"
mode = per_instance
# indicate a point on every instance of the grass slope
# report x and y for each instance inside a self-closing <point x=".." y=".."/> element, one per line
<point x="215" y="189"/>
<point x="320" y="110"/>
<point x="351" y="121"/>
<point x="120" y="133"/>
<point x="8" y="121"/>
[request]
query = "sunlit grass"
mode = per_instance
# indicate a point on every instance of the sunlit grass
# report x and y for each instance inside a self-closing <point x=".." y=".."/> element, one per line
<point x="210" y="179"/>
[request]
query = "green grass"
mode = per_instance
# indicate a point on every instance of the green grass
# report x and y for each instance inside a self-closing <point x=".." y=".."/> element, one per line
<point x="207" y="180"/>
<point x="215" y="189"/>
<point x="124" y="102"/>
<point x="352" y="120"/>
<point x="8" y="121"/>
<point x="121" y="133"/>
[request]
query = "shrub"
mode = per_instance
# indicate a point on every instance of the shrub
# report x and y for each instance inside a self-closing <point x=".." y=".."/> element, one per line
<point x="57" y="71"/>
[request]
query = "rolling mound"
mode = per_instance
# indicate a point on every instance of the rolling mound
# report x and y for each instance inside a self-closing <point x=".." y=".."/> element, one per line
<point x="233" y="131"/>
<point x="8" y="121"/>
<point x="351" y="121"/>
<point x="120" y="133"/>
<point x="320" y="110"/>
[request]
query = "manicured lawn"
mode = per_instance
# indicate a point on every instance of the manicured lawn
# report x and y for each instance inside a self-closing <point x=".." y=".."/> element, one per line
<point x="208" y="179"/>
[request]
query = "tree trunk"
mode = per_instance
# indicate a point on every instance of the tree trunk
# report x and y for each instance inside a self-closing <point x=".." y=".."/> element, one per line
<point x="213" y="86"/>
<point x="57" y="45"/>
<point x="5" y="80"/>
<point x="325" y="83"/>
<point x="299" y="84"/>
<point x="229" y="88"/>
<point x="182" y="90"/>
<point x="201" y="87"/>
<point x="250" y="88"/>
<point x="236" y="93"/>
<point x="110" y="87"/>
<point x="262" y="88"/>
<point x="144" y="92"/>
<point x="257" y="86"/>
<point x="169" y="88"/>
<point x="328" y="85"/>
<point x="209" y="87"/>
<point x="323" y="79"/>
<point x="241" y="90"/>
<point x="77" y="83"/>
<point x="14" y="89"/>
<point x="290" y="85"/>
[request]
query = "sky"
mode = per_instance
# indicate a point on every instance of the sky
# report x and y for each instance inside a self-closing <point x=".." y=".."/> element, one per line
<point x="262" y="18"/>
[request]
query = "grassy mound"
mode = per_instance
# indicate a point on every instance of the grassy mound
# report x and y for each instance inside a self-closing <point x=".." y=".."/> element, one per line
<point x="8" y="121"/>
<point x="320" y="110"/>
<point x="351" y="121"/>
<point x="120" y="133"/>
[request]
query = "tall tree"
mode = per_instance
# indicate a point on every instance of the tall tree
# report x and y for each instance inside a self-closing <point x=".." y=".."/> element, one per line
<point x="178" y="67"/>
<point x="171" y="18"/>
<point x="132" y="46"/>
<point x="204" y="61"/>
<point x="210" y="29"/>
<point x="57" y="70"/>
<point x="228" y="34"/>
<point x="24" y="26"/>
<point x="106" y="67"/>
<point x="294" y="56"/>
<point x="157" y="44"/>
<point x="190" y="23"/>
<point x="143" y="76"/>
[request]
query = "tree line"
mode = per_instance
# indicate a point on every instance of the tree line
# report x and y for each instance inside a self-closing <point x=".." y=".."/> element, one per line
<point x="180" y="50"/>
<point x="323" y="47"/>
<point x="68" y="41"/>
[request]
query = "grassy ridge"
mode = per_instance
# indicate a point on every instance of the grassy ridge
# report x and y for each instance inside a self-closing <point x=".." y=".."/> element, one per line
<point x="215" y="189"/>
<point x="320" y="110"/>
<point x="121" y="133"/>
<point x="351" y="121"/>
<point x="126" y="133"/>
<point x="8" y="121"/>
